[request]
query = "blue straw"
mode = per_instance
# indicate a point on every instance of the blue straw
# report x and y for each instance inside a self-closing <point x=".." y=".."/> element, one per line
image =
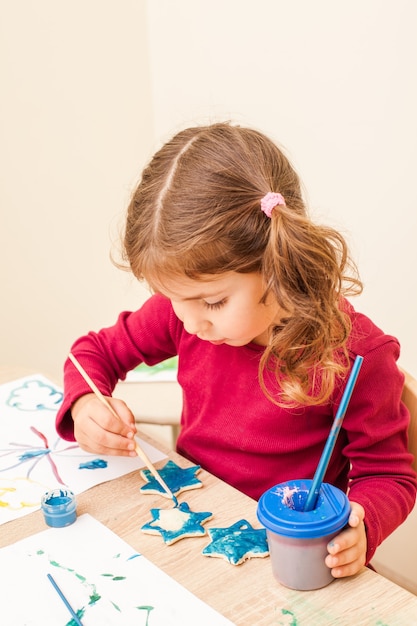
<point x="331" y="439"/>
<point x="65" y="601"/>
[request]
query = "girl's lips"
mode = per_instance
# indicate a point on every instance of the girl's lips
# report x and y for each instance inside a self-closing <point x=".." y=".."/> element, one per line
<point x="218" y="342"/>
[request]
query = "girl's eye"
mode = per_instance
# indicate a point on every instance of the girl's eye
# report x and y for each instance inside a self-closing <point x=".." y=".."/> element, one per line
<point x="214" y="305"/>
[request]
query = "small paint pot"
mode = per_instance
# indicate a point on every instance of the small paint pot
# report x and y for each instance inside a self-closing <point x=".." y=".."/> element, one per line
<point x="298" y="539"/>
<point x="59" y="507"/>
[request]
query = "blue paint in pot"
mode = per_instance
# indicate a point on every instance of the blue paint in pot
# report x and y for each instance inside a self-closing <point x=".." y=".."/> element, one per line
<point x="59" y="508"/>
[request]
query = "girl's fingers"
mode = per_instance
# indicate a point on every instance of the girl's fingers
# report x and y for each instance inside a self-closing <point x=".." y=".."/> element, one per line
<point x="99" y="431"/>
<point x="347" y="551"/>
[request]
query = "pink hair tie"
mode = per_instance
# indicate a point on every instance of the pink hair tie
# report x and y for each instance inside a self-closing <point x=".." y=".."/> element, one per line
<point x="270" y="201"/>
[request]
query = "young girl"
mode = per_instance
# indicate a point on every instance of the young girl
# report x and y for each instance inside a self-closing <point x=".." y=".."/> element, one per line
<point x="251" y="295"/>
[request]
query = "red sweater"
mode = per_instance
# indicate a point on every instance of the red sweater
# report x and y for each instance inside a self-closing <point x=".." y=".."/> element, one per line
<point x="232" y="430"/>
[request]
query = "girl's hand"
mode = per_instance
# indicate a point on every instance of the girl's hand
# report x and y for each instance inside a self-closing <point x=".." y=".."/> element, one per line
<point x="347" y="551"/>
<point x="97" y="430"/>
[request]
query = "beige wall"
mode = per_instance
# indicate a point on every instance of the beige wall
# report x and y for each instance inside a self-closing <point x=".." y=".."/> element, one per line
<point x="89" y="89"/>
<point x="76" y="129"/>
<point x="336" y="84"/>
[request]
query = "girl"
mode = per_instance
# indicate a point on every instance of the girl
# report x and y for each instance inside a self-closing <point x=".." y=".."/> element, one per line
<point x="252" y="297"/>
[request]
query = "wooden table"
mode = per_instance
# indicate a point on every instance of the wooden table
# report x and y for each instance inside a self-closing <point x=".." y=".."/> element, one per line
<point x="247" y="594"/>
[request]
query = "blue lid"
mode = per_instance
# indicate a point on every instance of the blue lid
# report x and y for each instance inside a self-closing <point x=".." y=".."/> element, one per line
<point x="280" y="509"/>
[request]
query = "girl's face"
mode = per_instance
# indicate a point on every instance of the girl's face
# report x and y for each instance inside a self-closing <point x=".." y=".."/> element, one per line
<point x="224" y="309"/>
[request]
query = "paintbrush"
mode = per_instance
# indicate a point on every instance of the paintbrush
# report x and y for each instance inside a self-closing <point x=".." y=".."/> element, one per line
<point x="331" y="439"/>
<point x="65" y="601"/>
<point x="141" y="453"/>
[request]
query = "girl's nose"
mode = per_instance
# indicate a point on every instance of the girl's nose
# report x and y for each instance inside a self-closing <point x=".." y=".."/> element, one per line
<point x="195" y="324"/>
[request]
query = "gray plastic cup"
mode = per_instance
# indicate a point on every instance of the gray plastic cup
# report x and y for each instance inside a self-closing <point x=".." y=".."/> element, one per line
<point x="298" y="539"/>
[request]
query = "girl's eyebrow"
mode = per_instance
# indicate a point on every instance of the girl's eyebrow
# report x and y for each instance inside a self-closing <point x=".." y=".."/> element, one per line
<point x="202" y="296"/>
<point x="221" y="293"/>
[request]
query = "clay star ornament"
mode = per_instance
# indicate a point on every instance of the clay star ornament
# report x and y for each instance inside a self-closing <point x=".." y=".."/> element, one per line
<point x="177" y="523"/>
<point x="237" y="543"/>
<point x="177" y="479"/>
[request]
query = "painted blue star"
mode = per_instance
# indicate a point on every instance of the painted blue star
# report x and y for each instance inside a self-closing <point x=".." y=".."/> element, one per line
<point x="237" y="542"/>
<point x="177" y="479"/>
<point x="176" y="523"/>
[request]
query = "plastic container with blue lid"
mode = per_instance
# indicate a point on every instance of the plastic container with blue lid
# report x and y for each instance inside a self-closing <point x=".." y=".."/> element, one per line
<point x="298" y="539"/>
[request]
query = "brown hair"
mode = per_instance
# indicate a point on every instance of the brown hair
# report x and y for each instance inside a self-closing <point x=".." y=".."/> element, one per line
<point x="197" y="212"/>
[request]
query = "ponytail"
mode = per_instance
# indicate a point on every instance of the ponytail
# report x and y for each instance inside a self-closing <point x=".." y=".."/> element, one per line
<point x="305" y="269"/>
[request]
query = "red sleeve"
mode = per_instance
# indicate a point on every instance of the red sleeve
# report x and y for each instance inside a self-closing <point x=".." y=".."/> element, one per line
<point x="147" y="335"/>
<point x="381" y="477"/>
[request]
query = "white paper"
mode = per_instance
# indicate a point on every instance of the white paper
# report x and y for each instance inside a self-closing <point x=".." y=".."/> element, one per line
<point x="105" y="581"/>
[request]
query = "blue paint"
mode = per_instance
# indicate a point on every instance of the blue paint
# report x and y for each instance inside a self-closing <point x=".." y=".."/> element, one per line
<point x="177" y="479"/>
<point x="59" y="508"/>
<point x="94" y="464"/>
<point x="191" y="523"/>
<point x="34" y="395"/>
<point x="237" y="542"/>
<point x="33" y="453"/>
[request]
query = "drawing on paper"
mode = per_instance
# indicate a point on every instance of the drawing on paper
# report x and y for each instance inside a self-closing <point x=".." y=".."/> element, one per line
<point x="35" y="395"/>
<point x="93" y="590"/>
<point x="26" y="452"/>
<point x="34" y="459"/>
<point x="104" y="579"/>
<point x="93" y="464"/>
